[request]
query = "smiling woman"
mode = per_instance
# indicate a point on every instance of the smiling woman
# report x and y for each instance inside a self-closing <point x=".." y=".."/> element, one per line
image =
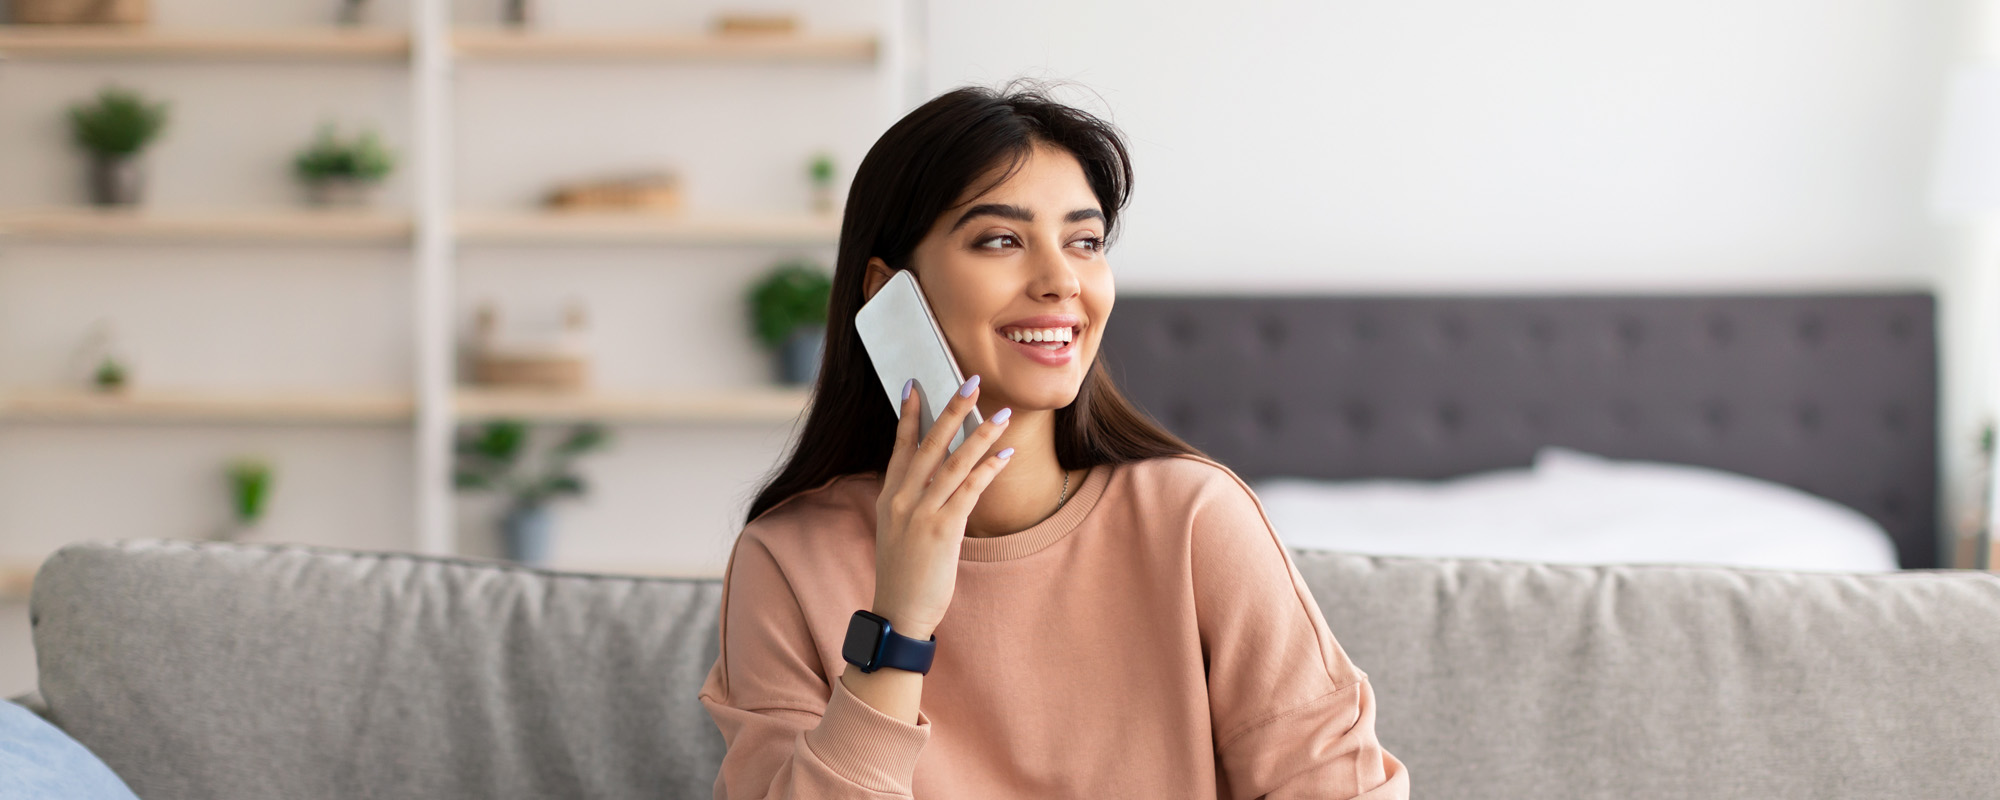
<point x="1123" y="621"/>
<point x="1003" y="204"/>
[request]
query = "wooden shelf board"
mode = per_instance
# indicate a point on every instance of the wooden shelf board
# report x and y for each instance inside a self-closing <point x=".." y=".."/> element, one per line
<point x="69" y="405"/>
<point x="725" y="405"/>
<point x="776" y="47"/>
<point x="583" y="227"/>
<point x="145" y="224"/>
<point x="99" y="41"/>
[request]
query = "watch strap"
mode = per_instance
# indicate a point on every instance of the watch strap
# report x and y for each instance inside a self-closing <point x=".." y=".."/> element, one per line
<point x="905" y="653"/>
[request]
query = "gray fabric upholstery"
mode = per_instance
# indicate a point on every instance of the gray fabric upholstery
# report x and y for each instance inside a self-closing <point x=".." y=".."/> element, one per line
<point x="31" y="701"/>
<point x="1834" y="394"/>
<point x="246" y="671"/>
<point x="219" y="671"/>
<point x="1499" y="680"/>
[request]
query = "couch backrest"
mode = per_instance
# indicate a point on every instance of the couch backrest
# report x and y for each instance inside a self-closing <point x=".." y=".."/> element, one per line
<point x="1500" y="680"/>
<point x="249" y="671"/>
<point x="255" y="672"/>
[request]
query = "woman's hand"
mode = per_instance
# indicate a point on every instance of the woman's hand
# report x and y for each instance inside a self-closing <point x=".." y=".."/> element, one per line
<point x="920" y="517"/>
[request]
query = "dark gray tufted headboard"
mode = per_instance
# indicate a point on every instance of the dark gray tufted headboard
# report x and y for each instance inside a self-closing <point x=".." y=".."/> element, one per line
<point x="1833" y="394"/>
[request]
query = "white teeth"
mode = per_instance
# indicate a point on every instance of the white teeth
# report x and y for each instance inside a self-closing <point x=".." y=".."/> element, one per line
<point x="1040" y="335"/>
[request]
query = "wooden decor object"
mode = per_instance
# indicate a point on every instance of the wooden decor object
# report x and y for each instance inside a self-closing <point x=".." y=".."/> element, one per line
<point x="650" y="191"/>
<point x="756" y="23"/>
<point x="559" y="364"/>
<point x="81" y="12"/>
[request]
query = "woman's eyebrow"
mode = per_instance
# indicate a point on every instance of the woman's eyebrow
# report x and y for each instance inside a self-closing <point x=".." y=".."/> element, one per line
<point x="1020" y="214"/>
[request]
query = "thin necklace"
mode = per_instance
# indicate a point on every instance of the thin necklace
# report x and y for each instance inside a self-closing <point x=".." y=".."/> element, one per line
<point x="1065" y="492"/>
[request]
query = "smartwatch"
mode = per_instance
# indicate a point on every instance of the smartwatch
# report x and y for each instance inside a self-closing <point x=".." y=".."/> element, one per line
<point x="872" y="644"/>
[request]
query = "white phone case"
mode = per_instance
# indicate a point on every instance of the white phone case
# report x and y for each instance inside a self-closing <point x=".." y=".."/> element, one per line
<point x="904" y="340"/>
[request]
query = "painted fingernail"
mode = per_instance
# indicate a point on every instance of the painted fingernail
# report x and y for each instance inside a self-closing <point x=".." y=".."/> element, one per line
<point x="1001" y="418"/>
<point x="1005" y="453"/>
<point x="907" y="386"/>
<point x="966" y="390"/>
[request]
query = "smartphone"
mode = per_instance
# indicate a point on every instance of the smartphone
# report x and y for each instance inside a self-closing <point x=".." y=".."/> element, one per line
<point x="902" y="337"/>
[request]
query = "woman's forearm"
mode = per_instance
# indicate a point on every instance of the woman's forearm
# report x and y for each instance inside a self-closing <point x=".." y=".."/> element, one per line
<point x="889" y="690"/>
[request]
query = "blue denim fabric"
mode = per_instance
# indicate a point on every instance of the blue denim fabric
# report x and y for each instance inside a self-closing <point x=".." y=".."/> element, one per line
<point x="39" y="761"/>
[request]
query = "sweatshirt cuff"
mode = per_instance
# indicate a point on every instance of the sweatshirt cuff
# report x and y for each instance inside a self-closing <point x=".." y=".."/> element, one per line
<point x="862" y="744"/>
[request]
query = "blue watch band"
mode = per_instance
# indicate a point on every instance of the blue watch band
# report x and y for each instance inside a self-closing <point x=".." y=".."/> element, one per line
<point x="872" y="643"/>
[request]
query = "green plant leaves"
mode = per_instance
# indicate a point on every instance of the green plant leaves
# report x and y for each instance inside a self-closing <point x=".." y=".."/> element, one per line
<point x="489" y="458"/>
<point x="119" y="123"/>
<point x="250" y="485"/>
<point x="362" y="157"/>
<point x="794" y="294"/>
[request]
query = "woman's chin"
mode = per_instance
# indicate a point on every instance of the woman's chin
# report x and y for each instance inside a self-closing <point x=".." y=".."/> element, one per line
<point x="1044" y="395"/>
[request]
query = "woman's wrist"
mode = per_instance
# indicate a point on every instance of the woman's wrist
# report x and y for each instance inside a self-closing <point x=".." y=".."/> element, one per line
<point x="891" y="691"/>
<point x="903" y="624"/>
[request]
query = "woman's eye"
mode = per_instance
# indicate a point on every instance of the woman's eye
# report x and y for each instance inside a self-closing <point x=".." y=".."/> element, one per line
<point x="1096" y="243"/>
<point x="991" y="239"/>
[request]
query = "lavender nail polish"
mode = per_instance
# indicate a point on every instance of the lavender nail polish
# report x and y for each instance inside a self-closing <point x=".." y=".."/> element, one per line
<point x="970" y="383"/>
<point x="1001" y="417"/>
<point x="907" y="386"/>
<point x="1005" y="453"/>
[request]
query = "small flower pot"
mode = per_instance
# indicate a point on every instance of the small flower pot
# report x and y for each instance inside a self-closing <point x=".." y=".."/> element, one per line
<point x="340" y="192"/>
<point x="116" y="180"/>
<point x="799" y="356"/>
<point x="525" y="533"/>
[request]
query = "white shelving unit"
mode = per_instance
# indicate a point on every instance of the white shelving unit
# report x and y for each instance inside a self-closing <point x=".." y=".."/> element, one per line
<point x="433" y="229"/>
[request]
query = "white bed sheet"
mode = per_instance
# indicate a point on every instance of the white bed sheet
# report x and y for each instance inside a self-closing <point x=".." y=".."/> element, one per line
<point x="1574" y="507"/>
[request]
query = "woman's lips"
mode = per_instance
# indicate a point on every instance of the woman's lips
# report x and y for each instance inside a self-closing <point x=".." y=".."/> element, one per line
<point x="1043" y="355"/>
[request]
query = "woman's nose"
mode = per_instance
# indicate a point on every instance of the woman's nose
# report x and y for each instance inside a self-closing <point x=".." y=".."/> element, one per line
<point x="1054" y="276"/>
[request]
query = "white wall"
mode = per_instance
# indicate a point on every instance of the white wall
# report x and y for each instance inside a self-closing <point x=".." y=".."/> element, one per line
<point x="1449" y="144"/>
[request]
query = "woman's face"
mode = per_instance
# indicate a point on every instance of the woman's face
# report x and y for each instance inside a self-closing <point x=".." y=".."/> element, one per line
<point x="1026" y="257"/>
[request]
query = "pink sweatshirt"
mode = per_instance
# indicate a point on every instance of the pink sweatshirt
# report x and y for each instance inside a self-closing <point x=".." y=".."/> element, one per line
<point x="1151" y="639"/>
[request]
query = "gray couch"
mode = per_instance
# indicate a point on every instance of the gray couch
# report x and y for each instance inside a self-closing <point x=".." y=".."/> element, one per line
<point x="239" y="671"/>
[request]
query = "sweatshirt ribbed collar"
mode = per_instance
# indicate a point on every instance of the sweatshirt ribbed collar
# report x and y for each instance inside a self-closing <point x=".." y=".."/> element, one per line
<point x="1044" y="533"/>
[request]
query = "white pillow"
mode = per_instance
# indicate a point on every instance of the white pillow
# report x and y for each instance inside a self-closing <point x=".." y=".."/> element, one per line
<point x="1574" y="507"/>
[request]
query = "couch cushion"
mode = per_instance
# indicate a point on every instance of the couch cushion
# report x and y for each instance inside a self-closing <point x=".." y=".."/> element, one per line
<point x="1498" y="679"/>
<point x="207" y="670"/>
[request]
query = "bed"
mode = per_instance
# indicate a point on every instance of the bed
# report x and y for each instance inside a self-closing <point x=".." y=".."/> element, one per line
<point x="1828" y="401"/>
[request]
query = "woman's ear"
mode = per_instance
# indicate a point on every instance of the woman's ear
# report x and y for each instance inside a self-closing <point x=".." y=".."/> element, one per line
<point x="878" y="275"/>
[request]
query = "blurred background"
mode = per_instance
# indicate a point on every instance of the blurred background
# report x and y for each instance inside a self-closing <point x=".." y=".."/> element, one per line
<point x="523" y="278"/>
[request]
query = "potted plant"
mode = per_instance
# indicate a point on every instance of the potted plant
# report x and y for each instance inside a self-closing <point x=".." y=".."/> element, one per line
<point x="101" y="361"/>
<point x="343" y="171"/>
<point x="491" y="458"/>
<point x="249" y="489"/>
<point x="788" y="312"/>
<point x="114" y="129"/>
<point x="109" y="376"/>
<point x="820" y="172"/>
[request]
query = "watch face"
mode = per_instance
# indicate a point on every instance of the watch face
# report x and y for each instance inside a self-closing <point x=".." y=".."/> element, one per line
<point x="864" y="639"/>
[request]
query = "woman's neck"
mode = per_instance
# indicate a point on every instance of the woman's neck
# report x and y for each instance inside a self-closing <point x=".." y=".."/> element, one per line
<point x="1031" y="487"/>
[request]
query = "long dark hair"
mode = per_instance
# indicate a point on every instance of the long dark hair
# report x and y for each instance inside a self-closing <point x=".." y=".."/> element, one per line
<point x="914" y="173"/>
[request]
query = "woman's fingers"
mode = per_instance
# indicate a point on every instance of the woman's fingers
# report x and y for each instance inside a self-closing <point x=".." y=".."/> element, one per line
<point x="930" y="449"/>
<point x="906" y="436"/>
<point x="951" y="476"/>
<point x="961" y="502"/>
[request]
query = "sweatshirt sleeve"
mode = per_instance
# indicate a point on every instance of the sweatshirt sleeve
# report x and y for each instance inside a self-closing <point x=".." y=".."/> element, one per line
<point x="1293" y="718"/>
<point x="790" y="732"/>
